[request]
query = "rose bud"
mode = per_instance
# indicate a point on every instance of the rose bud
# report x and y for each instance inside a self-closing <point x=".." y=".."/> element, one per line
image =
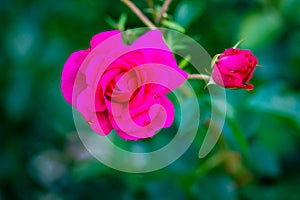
<point x="234" y="68"/>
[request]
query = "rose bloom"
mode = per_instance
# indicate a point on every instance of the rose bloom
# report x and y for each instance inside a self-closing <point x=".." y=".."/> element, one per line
<point x="123" y="87"/>
<point x="234" y="68"/>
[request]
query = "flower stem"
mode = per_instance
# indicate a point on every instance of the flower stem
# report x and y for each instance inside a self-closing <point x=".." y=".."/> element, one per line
<point x="163" y="10"/>
<point x="139" y="13"/>
<point x="199" y="77"/>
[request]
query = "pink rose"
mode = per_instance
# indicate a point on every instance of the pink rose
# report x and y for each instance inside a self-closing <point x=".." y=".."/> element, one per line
<point x="234" y="68"/>
<point x="123" y="87"/>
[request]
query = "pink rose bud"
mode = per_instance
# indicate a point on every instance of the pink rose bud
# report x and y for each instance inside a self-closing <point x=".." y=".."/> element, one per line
<point x="234" y="68"/>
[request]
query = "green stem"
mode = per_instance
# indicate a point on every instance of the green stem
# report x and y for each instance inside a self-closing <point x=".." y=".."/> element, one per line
<point x="199" y="77"/>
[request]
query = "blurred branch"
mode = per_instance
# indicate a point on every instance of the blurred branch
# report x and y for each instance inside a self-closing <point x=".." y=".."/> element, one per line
<point x="163" y="10"/>
<point x="139" y="13"/>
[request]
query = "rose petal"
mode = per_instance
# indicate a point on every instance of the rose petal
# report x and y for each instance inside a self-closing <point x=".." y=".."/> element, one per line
<point x="234" y="62"/>
<point x="100" y="37"/>
<point x="146" y="41"/>
<point x="248" y="87"/>
<point x="158" y="51"/>
<point x="87" y="104"/>
<point x="104" y="127"/>
<point x="163" y="75"/>
<point x="69" y="73"/>
<point x="169" y="108"/>
<point x="125" y="136"/>
<point x="98" y="121"/>
<point x="225" y="78"/>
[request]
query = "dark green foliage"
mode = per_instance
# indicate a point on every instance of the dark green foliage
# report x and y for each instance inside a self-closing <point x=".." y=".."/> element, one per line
<point x="41" y="156"/>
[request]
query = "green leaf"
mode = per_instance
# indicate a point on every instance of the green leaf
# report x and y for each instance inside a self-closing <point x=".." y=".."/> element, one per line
<point x="263" y="161"/>
<point x="173" y="25"/>
<point x="290" y="10"/>
<point x="212" y="162"/>
<point x="283" y="189"/>
<point x="184" y="62"/>
<point x="261" y="29"/>
<point x="239" y="135"/>
<point x="17" y="98"/>
<point x="272" y="98"/>
<point x="219" y="186"/>
<point x="88" y="169"/>
<point x="110" y="22"/>
<point x="163" y="189"/>
<point x="122" y="21"/>
<point x="283" y="141"/>
<point x="188" y="12"/>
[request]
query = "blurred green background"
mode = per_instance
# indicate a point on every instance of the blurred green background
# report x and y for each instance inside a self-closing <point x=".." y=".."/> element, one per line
<point x="41" y="156"/>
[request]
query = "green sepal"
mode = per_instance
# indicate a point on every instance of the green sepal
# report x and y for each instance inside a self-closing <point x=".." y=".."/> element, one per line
<point x="214" y="60"/>
<point x="239" y="42"/>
